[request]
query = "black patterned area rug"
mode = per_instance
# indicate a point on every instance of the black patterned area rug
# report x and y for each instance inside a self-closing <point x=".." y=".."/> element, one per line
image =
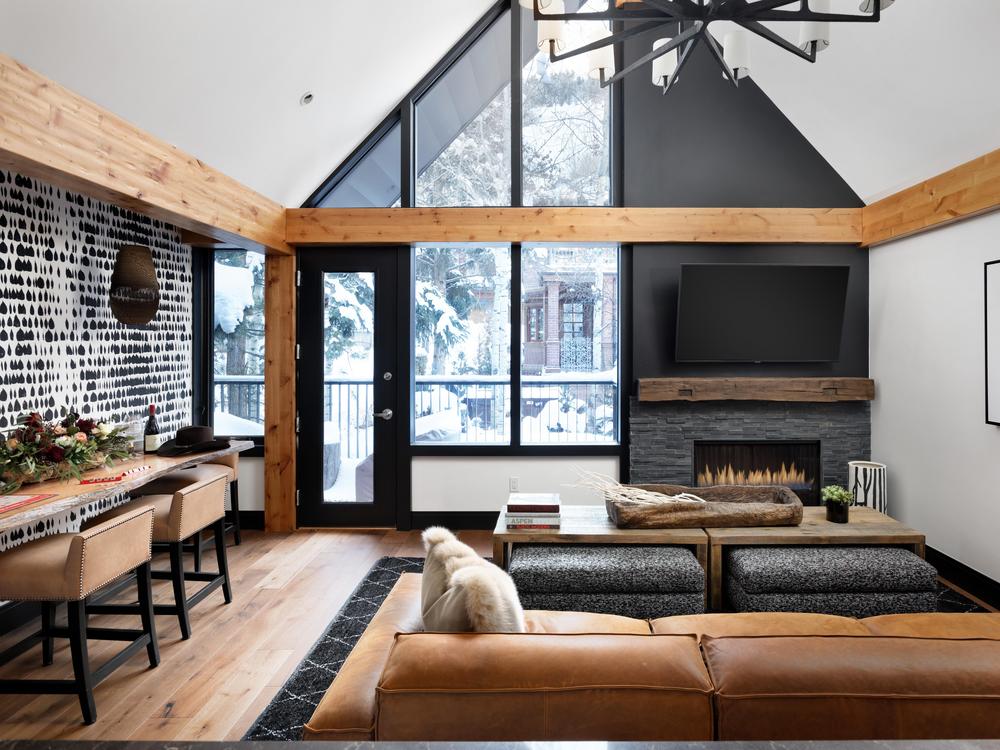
<point x="291" y="708"/>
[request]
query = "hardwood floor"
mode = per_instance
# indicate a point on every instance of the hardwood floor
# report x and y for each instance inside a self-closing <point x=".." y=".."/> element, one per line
<point x="286" y="590"/>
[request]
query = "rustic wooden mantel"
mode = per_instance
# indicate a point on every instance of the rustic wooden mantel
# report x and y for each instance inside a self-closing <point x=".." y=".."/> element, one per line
<point x="816" y="390"/>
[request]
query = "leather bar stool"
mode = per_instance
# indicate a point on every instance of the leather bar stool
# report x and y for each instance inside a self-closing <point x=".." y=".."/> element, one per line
<point x="69" y="568"/>
<point x="228" y="466"/>
<point x="176" y="518"/>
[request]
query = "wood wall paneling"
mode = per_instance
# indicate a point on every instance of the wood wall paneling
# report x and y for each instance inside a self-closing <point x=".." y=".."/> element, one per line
<point x="279" y="393"/>
<point x="968" y="190"/>
<point x="373" y="226"/>
<point x="53" y="134"/>
<point x="816" y="390"/>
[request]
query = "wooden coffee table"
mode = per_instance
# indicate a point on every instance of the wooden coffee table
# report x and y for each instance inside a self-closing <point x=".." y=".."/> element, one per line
<point x="589" y="524"/>
<point x="866" y="527"/>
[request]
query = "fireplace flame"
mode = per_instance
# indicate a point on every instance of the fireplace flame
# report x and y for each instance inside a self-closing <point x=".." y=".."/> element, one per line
<point x="792" y="476"/>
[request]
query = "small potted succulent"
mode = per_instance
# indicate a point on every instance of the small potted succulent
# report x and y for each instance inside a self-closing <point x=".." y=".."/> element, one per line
<point x="838" y="501"/>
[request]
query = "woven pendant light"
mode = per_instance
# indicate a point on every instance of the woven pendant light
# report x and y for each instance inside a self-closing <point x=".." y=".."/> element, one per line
<point x="135" y="292"/>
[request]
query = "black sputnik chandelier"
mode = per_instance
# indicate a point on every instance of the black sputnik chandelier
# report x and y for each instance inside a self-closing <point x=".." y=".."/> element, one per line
<point x="685" y="24"/>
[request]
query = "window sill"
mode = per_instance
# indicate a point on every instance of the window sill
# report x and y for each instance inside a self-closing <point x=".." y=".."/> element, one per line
<point x="425" y="449"/>
<point x="258" y="448"/>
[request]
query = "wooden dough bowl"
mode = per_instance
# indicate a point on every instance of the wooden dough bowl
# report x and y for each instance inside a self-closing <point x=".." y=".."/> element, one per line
<point x="726" y="506"/>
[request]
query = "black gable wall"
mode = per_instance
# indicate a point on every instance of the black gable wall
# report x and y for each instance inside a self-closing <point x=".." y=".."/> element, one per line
<point x="708" y="144"/>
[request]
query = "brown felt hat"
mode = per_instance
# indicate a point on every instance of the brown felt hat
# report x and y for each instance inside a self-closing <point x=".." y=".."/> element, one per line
<point x="192" y="440"/>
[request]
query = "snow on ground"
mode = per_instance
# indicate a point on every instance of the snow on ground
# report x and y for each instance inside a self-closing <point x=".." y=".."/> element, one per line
<point x="227" y="424"/>
<point x="343" y="490"/>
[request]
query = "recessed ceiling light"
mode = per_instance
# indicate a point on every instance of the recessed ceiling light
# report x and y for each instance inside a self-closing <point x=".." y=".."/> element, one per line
<point x="306" y="98"/>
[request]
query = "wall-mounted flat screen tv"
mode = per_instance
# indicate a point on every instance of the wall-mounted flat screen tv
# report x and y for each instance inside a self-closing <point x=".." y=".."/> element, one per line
<point x="760" y="313"/>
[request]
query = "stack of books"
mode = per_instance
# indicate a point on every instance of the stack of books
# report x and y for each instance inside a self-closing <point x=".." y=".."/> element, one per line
<point x="531" y="510"/>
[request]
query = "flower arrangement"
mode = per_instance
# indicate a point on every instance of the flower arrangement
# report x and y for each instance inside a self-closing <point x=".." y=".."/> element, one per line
<point x="38" y="450"/>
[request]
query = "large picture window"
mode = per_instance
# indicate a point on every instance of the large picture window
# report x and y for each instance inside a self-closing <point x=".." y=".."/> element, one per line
<point x="461" y="344"/>
<point x="568" y="339"/>
<point x="238" y="344"/>
<point x="373" y="182"/>
<point x="513" y="347"/>
<point x="458" y="150"/>
<point x="569" y="374"/>
<point x="463" y="128"/>
<point x="566" y="120"/>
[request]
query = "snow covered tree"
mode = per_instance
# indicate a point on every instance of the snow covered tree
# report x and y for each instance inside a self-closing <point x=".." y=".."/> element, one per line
<point x="239" y="313"/>
<point x="350" y="321"/>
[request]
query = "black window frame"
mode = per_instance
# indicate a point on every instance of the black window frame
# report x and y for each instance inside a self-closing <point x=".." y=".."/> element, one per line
<point x="404" y="115"/>
<point x="515" y="446"/>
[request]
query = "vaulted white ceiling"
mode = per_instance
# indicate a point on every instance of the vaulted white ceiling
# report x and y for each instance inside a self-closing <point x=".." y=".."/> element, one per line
<point x="886" y="104"/>
<point x="892" y="103"/>
<point x="221" y="79"/>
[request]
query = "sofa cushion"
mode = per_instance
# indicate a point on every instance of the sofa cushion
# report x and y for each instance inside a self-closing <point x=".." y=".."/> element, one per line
<point x="854" y="687"/>
<point x="542" y="621"/>
<point x="605" y="569"/>
<point x="479" y="687"/>
<point x="347" y="710"/>
<point x="758" y="623"/>
<point x="774" y="570"/>
<point x="937" y="625"/>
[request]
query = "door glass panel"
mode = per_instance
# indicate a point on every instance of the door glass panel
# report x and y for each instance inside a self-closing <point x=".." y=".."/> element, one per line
<point x="348" y="376"/>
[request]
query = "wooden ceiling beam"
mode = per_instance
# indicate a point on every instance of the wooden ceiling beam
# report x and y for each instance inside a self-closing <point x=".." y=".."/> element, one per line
<point x="50" y="133"/>
<point x="968" y="190"/>
<point x="393" y="226"/>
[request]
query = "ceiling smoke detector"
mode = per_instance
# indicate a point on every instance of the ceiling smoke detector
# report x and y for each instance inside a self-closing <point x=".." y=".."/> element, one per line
<point x="306" y="98"/>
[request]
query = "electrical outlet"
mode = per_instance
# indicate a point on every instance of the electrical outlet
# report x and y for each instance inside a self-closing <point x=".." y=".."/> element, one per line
<point x="514" y="484"/>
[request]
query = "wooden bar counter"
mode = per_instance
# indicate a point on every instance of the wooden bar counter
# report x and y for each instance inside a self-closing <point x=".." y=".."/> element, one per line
<point x="73" y="503"/>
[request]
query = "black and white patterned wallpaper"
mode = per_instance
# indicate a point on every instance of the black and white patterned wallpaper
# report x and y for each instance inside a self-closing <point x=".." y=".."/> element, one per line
<point x="59" y="343"/>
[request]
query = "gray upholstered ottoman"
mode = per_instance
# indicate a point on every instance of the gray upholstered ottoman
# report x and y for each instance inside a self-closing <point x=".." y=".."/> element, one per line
<point x="850" y="581"/>
<point x="624" y="579"/>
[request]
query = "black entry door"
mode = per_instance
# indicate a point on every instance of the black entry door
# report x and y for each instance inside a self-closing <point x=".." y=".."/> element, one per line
<point x="347" y="387"/>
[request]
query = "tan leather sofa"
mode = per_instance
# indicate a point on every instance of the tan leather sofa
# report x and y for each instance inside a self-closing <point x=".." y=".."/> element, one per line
<point x="579" y="676"/>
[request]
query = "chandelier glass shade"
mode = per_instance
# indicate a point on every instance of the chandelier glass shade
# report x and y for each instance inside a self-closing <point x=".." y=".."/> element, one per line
<point x="687" y="23"/>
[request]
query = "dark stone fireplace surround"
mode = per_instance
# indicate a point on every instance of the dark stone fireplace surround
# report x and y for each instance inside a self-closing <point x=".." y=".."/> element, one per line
<point x="662" y="434"/>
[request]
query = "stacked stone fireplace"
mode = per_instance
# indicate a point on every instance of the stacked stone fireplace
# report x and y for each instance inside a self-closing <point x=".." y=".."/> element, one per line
<point x="805" y="446"/>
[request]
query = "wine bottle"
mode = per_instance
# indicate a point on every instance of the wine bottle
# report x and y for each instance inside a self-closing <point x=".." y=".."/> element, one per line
<point x="152" y="431"/>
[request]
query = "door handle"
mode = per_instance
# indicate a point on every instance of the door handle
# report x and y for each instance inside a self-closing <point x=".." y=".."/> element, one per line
<point x="385" y="414"/>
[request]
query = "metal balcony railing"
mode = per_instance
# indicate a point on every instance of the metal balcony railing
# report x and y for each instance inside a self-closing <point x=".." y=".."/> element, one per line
<point x="468" y="409"/>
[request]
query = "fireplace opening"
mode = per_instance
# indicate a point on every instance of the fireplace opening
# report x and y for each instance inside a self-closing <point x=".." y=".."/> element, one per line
<point x="792" y="463"/>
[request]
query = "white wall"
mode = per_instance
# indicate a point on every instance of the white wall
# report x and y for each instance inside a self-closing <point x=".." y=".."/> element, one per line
<point x="467" y="484"/>
<point x="928" y="419"/>
<point x="251" y="484"/>
<point x="482" y="484"/>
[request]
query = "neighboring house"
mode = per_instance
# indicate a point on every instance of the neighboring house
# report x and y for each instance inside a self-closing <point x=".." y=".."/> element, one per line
<point x="569" y="319"/>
